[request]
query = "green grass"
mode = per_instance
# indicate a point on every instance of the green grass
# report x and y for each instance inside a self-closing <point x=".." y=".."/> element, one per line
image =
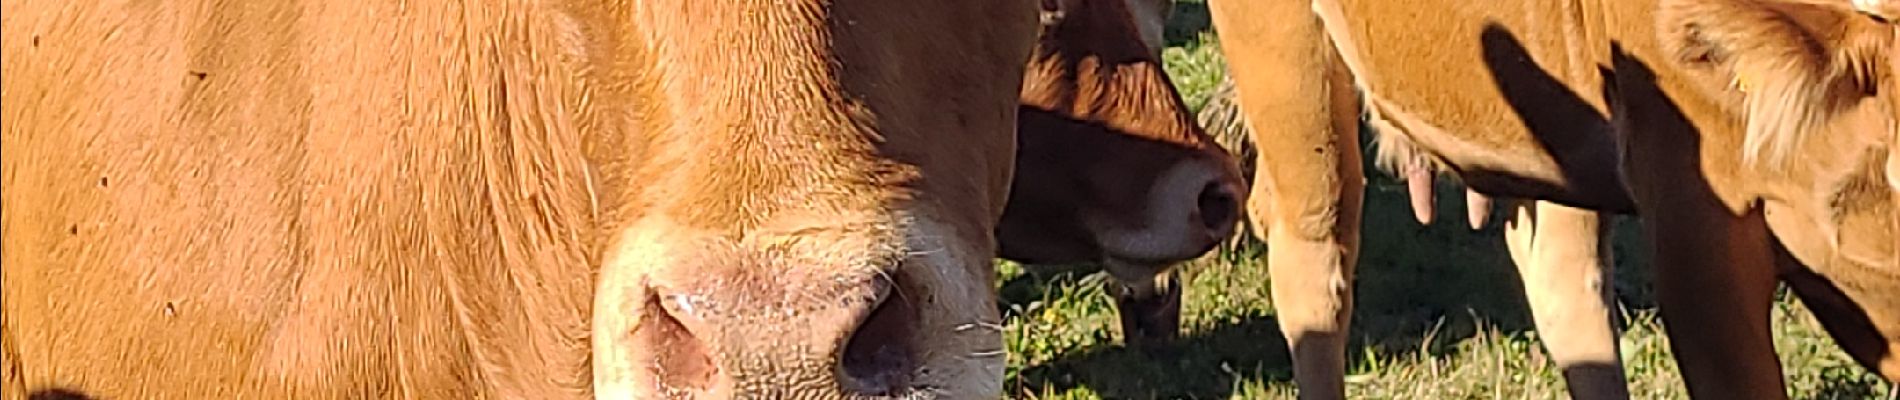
<point x="1440" y="313"/>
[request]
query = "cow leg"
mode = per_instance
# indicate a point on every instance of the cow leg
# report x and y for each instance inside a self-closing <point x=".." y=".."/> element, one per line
<point x="1715" y="282"/>
<point x="1845" y="321"/>
<point x="1566" y="268"/>
<point x="1150" y="310"/>
<point x="1297" y="95"/>
<point x="1714" y="268"/>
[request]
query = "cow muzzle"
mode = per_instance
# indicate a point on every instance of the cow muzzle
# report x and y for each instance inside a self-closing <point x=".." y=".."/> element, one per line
<point x="1191" y="208"/>
<point x="757" y="324"/>
<point x="828" y="337"/>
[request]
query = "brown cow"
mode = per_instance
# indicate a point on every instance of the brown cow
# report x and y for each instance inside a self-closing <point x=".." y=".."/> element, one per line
<point x="1787" y="173"/>
<point x="512" y="199"/>
<point x="1548" y="100"/>
<point x="1099" y="114"/>
<point x="1566" y="284"/>
<point x="1306" y="204"/>
<point x="1116" y="206"/>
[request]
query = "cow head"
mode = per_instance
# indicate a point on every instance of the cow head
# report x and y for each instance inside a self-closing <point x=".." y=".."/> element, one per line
<point x="805" y="198"/>
<point x="1112" y="167"/>
<point x="1796" y="69"/>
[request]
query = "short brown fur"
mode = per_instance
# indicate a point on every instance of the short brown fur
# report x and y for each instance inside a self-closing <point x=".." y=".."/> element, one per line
<point x="428" y="199"/>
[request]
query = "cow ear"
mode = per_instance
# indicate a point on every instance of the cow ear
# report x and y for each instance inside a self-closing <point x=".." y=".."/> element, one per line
<point x="1887" y="11"/>
<point x="1794" y="66"/>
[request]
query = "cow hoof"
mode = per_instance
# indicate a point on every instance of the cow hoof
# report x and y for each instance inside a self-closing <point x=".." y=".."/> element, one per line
<point x="1150" y="314"/>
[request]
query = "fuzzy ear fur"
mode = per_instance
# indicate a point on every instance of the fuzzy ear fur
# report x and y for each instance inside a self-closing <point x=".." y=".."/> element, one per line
<point x="1795" y="65"/>
<point x="1887" y="10"/>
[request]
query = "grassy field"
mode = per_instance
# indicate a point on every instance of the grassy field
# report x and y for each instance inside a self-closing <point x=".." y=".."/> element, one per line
<point x="1440" y="312"/>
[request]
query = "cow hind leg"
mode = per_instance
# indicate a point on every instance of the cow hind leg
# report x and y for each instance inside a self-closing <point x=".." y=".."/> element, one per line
<point x="1566" y="269"/>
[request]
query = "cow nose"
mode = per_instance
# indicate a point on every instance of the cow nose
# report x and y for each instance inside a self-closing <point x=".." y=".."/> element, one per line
<point x="1218" y="198"/>
<point x="1219" y="207"/>
<point x="1193" y="207"/>
<point x="879" y="354"/>
<point x="733" y="343"/>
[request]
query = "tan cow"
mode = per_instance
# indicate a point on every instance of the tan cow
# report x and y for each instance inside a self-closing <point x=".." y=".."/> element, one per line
<point x="1566" y="284"/>
<point x="1547" y="100"/>
<point x="1113" y="169"/>
<point x="1306" y="203"/>
<point x="506" y="199"/>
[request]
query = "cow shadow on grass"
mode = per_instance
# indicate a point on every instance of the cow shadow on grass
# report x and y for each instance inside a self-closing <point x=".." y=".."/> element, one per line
<point x="1849" y="382"/>
<point x="1206" y="365"/>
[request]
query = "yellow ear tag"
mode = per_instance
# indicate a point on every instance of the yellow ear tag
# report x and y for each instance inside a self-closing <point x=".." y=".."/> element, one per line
<point x="1741" y="81"/>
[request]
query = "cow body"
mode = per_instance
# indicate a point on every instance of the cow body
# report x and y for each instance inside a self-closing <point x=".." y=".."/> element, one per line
<point x="1306" y="203"/>
<point x="1586" y="105"/>
<point x="280" y="199"/>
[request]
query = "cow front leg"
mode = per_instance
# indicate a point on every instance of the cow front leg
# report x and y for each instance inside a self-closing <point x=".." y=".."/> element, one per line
<point x="1308" y="182"/>
<point x="1715" y="283"/>
<point x="1150" y="310"/>
<point x="1566" y="268"/>
<point x="1308" y="185"/>
<point x="1312" y="298"/>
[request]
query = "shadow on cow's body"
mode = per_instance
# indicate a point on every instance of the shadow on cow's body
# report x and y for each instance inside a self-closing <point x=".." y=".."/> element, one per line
<point x="1562" y="122"/>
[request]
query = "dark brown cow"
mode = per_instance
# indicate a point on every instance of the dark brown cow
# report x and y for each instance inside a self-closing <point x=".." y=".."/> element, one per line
<point x="1113" y="169"/>
<point x="508" y="199"/>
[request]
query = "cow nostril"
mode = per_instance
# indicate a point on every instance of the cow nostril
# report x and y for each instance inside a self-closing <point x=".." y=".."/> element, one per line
<point x="681" y="362"/>
<point x="880" y="355"/>
<point x="1218" y="206"/>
